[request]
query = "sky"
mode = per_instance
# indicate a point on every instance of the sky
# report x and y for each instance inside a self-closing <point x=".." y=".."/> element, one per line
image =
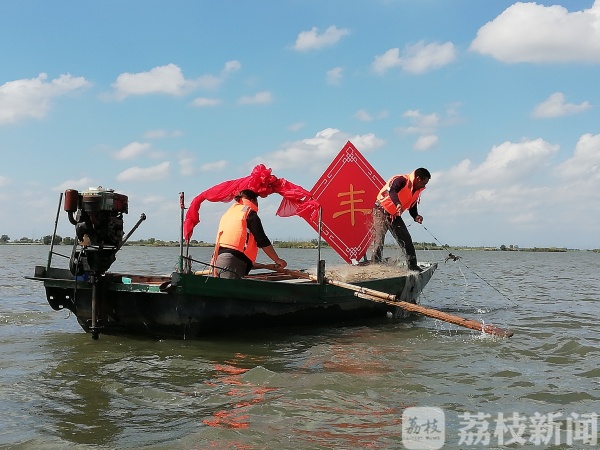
<point x="498" y="99"/>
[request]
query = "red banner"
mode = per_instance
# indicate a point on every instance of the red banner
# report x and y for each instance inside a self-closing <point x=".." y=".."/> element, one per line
<point x="347" y="191"/>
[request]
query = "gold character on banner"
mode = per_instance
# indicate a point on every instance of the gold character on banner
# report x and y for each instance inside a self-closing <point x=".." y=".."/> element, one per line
<point x="351" y="194"/>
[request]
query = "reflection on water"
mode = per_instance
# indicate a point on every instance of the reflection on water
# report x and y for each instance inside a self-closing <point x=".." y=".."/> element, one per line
<point x="101" y="392"/>
<point x="320" y="387"/>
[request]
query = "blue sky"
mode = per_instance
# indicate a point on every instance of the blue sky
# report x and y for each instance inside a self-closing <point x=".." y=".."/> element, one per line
<point x="499" y="100"/>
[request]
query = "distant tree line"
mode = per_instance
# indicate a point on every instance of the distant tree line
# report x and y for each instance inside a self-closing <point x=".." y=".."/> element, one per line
<point x="428" y="246"/>
<point x="313" y="243"/>
<point x="47" y="240"/>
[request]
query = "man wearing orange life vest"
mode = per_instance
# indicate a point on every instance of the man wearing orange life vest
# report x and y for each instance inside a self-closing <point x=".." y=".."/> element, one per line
<point x="400" y="193"/>
<point x="240" y="236"/>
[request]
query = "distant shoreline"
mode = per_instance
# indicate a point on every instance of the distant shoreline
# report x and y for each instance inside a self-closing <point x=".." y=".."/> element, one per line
<point x="310" y="245"/>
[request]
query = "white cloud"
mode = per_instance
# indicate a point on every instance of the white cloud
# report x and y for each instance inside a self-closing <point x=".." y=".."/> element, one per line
<point x="421" y="123"/>
<point x="421" y="57"/>
<point x="388" y="60"/>
<point x="580" y="176"/>
<point x="214" y="166"/>
<point x="334" y="76"/>
<point x="525" y="218"/>
<point x="186" y="161"/>
<point x="498" y="194"/>
<point x="31" y="98"/>
<point x="167" y="80"/>
<point x="452" y="115"/>
<point x="206" y="82"/>
<point x="529" y="32"/>
<point x="312" y="40"/>
<point x="507" y="163"/>
<point x="4" y="180"/>
<point x="585" y="163"/>
<point x="296" y="126"/>
<point x="365" y="116"/>
<point x="231" y="67"/>
<point x="210" y="82"/>
<point x="417" y="58"/>
<point x="317" y="152"/>
<point x="155" y="134"/>
<point x="132" y="150"/>
<point x="153" y="173"/>
<point x="259" y="98"/>
<point x="426" y="142"/>
<point x="186" y="166"/>
<point x="80" y="184"/>
<point x="555" y="106"/>
<point x="426" y="125"/>
<point x="203" y="102"/>
<point x="159" y="80"/>
<point x="152" y="200"/>
<point x="508" y="195"/>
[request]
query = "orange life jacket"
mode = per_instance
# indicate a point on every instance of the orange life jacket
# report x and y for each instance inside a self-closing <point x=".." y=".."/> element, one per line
<point x="407" y="197"/>
<point x="233" y="230"/>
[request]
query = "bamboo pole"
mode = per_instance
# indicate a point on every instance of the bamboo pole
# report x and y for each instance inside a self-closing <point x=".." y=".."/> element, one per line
<point x="390" y="299"/>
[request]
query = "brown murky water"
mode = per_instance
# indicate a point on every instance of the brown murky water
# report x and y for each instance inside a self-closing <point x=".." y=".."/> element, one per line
<point x="322" y="387"/>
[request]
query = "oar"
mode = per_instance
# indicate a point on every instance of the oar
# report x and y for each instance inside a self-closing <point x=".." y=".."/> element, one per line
<point x="390" y="299"/>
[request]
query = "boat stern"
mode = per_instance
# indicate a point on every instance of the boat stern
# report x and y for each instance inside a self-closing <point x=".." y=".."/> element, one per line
<point x="60" y="286"/>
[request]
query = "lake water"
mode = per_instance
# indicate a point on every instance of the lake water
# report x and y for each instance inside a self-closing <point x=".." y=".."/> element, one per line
<point x="419" y="383"/>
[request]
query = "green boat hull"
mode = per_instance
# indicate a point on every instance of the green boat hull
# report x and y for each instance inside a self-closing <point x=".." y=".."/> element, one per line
<point x="188" y="306"/>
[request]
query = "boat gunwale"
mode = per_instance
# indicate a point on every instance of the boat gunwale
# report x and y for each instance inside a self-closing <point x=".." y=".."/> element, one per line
<point x="116" y="278"/>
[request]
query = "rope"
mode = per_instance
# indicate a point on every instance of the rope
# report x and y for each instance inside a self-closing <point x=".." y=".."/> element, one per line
<point x="458" y="258"/>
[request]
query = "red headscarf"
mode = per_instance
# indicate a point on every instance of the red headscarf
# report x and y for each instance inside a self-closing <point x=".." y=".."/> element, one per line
<point x="296" y="200"/>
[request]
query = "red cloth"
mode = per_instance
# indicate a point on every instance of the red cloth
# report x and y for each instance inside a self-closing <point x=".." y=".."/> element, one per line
<point x="296" y="200"/>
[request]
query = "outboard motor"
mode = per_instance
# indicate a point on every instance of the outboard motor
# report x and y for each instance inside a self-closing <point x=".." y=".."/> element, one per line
<point x="98" y="218"/>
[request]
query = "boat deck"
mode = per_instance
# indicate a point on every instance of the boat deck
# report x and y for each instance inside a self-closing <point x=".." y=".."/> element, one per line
<point x="278" y="277"/>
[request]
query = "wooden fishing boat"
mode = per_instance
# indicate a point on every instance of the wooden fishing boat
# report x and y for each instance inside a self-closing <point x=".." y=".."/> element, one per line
<point x="191" y="303"/>
<point x="188" y="306"/>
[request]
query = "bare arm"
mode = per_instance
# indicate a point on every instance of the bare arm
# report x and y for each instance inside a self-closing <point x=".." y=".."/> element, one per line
<point x="271" y="253"/>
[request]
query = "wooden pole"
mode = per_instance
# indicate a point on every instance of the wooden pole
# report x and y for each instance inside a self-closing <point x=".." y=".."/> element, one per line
<point x="390" y="299"/>
<point x="182" y="208"/>
<point x="50" y="253"/>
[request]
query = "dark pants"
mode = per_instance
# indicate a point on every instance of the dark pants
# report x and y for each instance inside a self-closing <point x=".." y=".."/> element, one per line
<point x="382" y="223"/>
<point x="230" y="266"/>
